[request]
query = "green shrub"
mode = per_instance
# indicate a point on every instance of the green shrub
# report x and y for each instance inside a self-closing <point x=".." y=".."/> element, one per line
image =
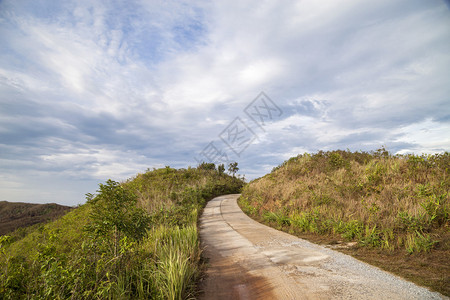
<point x="418" y="242"/>
<point x="115" y="216"/>
<point x="277" y="217"/>
<point x="437" y="208"/>
<point x="371" y="237"/>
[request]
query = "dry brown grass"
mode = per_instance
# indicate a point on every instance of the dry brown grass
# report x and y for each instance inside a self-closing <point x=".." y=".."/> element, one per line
<point x="392" y="204"/>
<point x="396" y="206"/>
<point x="397" y="198"/>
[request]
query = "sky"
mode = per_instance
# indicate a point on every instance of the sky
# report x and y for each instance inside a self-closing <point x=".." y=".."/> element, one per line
<point x="97" y="90"/>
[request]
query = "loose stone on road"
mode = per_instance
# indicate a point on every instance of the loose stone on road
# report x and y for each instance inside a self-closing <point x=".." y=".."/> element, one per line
<point x="248" y="260"/>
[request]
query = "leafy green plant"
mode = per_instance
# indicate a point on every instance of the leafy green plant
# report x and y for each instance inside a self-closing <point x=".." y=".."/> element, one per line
<point x="418" y="242"/>
<point x="221" y="169"/>
<point x="352" y="229"/>
<point x="5" y="240"/>
<point x="387" y="239"/>
<point x="410" y="223"/>
<point x="416" y="161"/>
<point x="437" y="209"/>
<point x="207" y="166"/>
<point x="424" y="190"/>
<point x="336" y="161"/>
<point x="375" y="172"/>
<point x="115" y="215"/>
<point x="371" y="237"/>
<point x="307" y="221"/>
<point x="278" y="217"/>
<point x="233" y="168"/>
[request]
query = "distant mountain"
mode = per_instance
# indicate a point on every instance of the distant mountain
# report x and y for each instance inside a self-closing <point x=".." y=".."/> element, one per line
<point x="14" y="215"/>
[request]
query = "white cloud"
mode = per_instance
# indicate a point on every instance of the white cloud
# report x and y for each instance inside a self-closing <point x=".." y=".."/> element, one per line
<point x="95" y="90"/>
<point x="428" y="136"/>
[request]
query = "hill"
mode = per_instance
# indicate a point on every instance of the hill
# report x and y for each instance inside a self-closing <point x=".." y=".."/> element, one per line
<point x="391" y="211"/>
<point x="14" y="215"/>
<point x="132" y="240"/>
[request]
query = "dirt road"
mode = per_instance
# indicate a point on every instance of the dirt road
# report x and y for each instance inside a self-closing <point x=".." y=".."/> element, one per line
<point x="248" y="260"/>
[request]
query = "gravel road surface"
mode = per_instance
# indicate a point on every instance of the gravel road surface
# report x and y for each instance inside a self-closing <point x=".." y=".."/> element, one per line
<point x="248" y="260"/>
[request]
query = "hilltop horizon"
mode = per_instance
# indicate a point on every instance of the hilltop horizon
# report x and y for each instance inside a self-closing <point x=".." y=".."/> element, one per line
<point x="92" y="91"/>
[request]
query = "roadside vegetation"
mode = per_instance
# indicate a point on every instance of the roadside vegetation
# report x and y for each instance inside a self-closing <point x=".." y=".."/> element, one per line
<point x="132" y="240"/>
<point x="395" y="208"/>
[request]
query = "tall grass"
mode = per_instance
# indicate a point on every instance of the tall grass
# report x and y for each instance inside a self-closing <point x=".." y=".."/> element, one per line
<point x="380" y="200"/>
<point x="178" y="262"/>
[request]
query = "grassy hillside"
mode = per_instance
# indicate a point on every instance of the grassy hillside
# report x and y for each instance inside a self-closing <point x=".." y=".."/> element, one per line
<point x="135" y="240"/>
<point x="396" y="208"/>
<point x="14" y="215"/>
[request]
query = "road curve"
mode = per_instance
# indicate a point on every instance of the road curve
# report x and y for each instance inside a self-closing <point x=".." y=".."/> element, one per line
<point x="248" y="260"/>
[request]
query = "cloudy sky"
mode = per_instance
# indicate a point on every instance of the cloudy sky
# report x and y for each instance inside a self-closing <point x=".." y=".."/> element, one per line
<point x="91" y="91"/>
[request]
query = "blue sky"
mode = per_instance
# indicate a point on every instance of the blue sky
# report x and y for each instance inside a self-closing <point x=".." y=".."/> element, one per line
<point x="92" y="90"/>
